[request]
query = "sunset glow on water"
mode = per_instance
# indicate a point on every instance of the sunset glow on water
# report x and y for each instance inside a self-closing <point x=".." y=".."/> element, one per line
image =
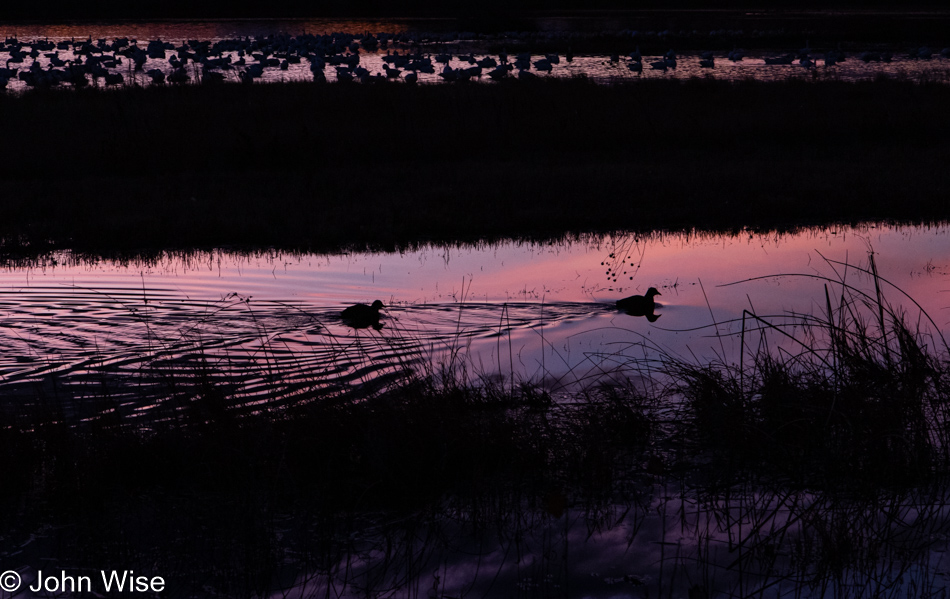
<point x="541" y="312"/>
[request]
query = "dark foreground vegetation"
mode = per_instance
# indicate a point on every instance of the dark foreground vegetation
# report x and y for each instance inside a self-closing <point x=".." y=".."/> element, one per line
<point x="824" y="462"/>
<point x="305" y="166"/>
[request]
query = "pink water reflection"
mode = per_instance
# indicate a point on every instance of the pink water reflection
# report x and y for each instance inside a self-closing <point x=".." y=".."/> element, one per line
<point x="540" y="312"/>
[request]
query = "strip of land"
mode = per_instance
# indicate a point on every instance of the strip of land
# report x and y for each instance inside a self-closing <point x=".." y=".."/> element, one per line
<point x="492" y="11"/>
<point x="330" y="167"/>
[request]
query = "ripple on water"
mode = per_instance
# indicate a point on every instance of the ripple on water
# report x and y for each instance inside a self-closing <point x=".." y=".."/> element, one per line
<point x="146" y="337"/>
<point x="140" y="349"/>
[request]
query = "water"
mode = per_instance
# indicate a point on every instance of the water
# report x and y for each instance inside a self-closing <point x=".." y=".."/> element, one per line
<point x="593" y="39"/>
<point x="267" y="326"/>
<point x="666" y="542"/>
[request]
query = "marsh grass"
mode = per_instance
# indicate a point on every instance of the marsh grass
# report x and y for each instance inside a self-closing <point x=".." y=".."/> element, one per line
<point x="854" y="395"/>
<point x="112" y="490"/>
<point x="815" y="463"/>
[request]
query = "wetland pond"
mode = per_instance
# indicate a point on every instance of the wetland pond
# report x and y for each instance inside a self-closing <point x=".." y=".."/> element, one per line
<point x="83" y="338"/>
<point x="267" y="324"/>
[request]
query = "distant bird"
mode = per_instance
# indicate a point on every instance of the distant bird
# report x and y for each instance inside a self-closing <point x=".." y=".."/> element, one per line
<point x="640" y="305"/>
<point x="774" y="60"/>
<point x="543" y="65"/>
<point x="498" y="73"/>
<point x="179" y="76"/>
<point x="833" y="57"/>
<point x="361" y="316"/>
<point x="449" y="74"/>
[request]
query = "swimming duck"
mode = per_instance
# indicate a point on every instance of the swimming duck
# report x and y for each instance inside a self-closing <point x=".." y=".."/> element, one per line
<point x="361" y="316"/>
<point x="640" y="305"/>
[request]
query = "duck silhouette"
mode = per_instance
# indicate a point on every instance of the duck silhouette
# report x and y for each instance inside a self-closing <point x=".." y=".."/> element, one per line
<point x="640" y="305"/>
<point x="361" y="316"/>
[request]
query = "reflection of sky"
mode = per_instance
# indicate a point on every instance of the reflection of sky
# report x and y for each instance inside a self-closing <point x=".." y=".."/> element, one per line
<point x="659" y="549"/>
<point x="560" y="292"/>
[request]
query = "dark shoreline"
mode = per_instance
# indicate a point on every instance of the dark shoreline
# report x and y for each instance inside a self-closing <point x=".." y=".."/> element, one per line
<point x="491" y="10"/>
<point x="598" y="29"/>
<point x="325" y="168"/>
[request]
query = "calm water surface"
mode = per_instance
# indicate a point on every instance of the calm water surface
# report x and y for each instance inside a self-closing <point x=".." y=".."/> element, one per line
<point x="268" y="324"/>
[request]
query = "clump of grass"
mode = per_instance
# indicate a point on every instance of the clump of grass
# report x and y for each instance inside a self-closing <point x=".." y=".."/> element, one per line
<point x="855" y="394"/>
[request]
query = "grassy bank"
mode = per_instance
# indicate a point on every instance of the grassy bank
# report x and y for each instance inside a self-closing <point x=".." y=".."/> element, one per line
<point x="325" y="167"/>
<point x="226" y="505"/>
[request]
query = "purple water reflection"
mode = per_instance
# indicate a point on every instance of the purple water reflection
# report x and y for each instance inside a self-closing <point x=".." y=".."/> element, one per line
<point x="672" y="542"/>
<point x="538" y="312"/>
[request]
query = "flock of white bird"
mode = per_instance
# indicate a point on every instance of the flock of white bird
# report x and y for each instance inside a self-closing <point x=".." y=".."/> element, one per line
<point x="45" y="63"/>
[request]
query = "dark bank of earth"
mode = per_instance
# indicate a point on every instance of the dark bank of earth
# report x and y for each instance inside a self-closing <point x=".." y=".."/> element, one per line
<point x="299" y="165"/>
